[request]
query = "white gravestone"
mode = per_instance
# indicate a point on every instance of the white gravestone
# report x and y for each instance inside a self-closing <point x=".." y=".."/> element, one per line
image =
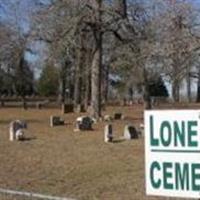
<point x="15" y="130"/>
<point x="19" y="134"/>
<point x="84" y="123"/>
<point x="130" y="132"/>
<point x="108" y="133"/>
<point x="56" y="121"/>
<point x="107" y="118"/>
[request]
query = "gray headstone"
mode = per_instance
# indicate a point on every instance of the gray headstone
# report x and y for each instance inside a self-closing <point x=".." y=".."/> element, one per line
<point x="56" y="121"/>
<point x="108" y="133"/>
<point x="118" y="116"/>
<point x="79" y="108"/>
<point x="15" y="130"/>
<point x="141" y="129"/>
<point x="107" y="118"/>
<point x="19" y="134"/>
<point x="84" y="123"/>
<point x="67" y="108"/>
<point x="130" y="132"/>
<point x="39" y="105"/>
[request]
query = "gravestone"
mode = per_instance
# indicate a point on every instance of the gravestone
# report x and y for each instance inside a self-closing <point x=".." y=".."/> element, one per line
<point x="84" y="123"/>
<point x="67" y="108"/>
<point x="19" y="134"/>
<point x="2" y="103"/>
<point x="107" y="118"/>
<point x="15" y="130"/>
<point x="131" y="102"/>
<point x="108" y="133"/>
<point x="117" y="116"/>
<point x="39" y="105"/>
<point x="56" y="121"/>
<point x="123" y="102"/>
<point x="79" y="108"/>
<point x="123" y="117"/>
<point x="130" y="132"/>
<point x="103" y="106"/>
<point x="141" y="129"/>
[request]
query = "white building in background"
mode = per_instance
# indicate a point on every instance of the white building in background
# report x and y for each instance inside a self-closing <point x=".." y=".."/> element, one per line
<point x="183" y="89"/>
<point x="137" y="93"/>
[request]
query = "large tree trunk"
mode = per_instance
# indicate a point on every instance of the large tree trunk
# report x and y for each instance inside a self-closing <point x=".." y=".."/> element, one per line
<point x="87" y="91"/>
<point x="96" y="64"/>
<point x="77" y="86"/>
<point x="63" y="96"/>
<point x="24" y="103"/>
<point x="87" y="95"/>
<point x="147" y="98"/>
<point x="189" y="95"/>
<point x="63" y="86"/>
<point x="87" y="79"/>
<point x="106" y="83"/>
<point x="146" y="94"/>
<point x="78" y="75"/>
<point x="96" y="80"/>
<point x="176" y="91"/>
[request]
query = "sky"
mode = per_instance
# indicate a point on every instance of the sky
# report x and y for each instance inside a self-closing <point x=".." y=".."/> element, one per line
<point x="18" y="13"/>
<point x="23" y="9"/>
<point x="9" y="9"/>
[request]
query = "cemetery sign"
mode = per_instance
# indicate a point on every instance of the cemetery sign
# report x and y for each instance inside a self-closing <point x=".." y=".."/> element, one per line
<point x="172" y="153"/>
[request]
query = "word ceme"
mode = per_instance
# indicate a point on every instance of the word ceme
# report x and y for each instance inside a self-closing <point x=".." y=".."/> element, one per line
<point x="175" y="176"/>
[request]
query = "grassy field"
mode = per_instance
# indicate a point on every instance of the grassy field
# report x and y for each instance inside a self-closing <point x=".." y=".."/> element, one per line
<point x="57" y="161"/>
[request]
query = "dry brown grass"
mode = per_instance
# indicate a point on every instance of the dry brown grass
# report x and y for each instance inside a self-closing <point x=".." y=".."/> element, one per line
<point x="57" y="161"/>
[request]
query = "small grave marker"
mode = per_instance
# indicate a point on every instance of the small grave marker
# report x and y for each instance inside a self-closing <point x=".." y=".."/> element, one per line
<point x="130" y="132"/>
<point x="108" y="133"/>
<point x="107" y="118"/>
<point x="83" y="123"/>
<point x="56" y="121"/>
<point x="118" y="116"/>
<point x="15" y="130"/>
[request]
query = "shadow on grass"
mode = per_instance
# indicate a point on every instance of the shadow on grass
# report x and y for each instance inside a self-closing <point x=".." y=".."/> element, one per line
<point x="8" y="121"/>
<point x="67" y="123"/>
<point x="5" y="121"/>
<point x="28" y="139"/>
<point x="120" y="140"/>
<point x="34" y="121"/>
<point x="133" y="118"/>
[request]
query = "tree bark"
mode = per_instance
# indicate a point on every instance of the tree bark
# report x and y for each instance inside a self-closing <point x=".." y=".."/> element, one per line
<point x="78" y="73"/>
<point x="147" y="98"/>
<point x="87" y="79"/>
<point x="189" y="95"/>
<point x="176" y="91"/>
<point x="96" y="64"/>
<point x="87" y="92"/>
<point x="146" y="94"/>
<point x="96" y="80"/>
<point x="106" y="83"/>
<point x="24" y="104"/>
<point x="87" y="95"/>
<point x="63" y="96"/>
<point x="77" y="86"/>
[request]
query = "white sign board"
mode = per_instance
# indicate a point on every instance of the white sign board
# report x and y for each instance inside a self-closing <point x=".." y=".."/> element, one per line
<point x="172" y="153"/>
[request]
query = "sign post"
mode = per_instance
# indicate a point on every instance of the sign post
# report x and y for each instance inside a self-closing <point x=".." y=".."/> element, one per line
<point x="172" y="153"/>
